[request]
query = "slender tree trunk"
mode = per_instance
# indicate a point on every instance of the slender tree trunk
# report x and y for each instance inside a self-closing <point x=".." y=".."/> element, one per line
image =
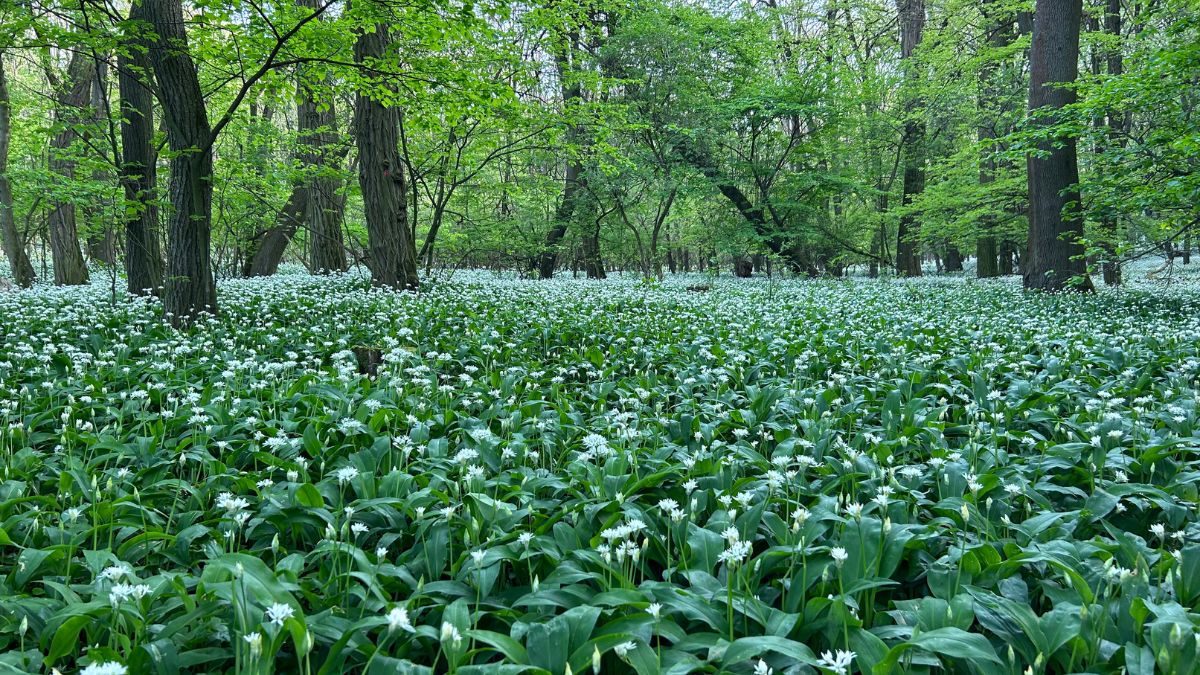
<point x="100" y="243"/>
<point x="267" y="248"/>
<point x="143" y="256"/>
<point x="572" y="92"/>
<point x="190" y="289"/>
<point x="912" y="24"/>
<point x="14" y="247"/>
<point x="1054" y="257"/>
<point x="999" y="32"/>
<point x="393" y="256"/>
<point x="1111" y="267"/>
<point x="71" y="99"/>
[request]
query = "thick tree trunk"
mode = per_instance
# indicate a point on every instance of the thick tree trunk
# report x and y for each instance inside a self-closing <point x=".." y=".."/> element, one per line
<point x="70" y="101"/>
<point x="392" y="256"/>
<point x="547" y="259"/>
<point x="14" y="247"/>
<point x="954" y="259"/>
<point x="323" y="210"/>
<point x="190" y="289"/>
<point x="912" y="24"/>
<point x="1054" y="257"/>
<point x="143" y="256"/>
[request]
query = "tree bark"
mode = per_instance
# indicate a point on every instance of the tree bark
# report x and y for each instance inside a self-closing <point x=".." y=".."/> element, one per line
<point x="190" y="289"/>
<point x="14" y="247"/>
<point x="392" y="256"/>
<point x="1054" y="257"/>
<point x="70" y="100"/>
<point x="547" y="259"/>
<point x="912" y="24"/>
<point x="143" y="256"/>
<point x="1111" y="267"/>
<point x="323" y="207"/>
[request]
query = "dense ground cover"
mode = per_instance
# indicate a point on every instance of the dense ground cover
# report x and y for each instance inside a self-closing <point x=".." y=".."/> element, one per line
<point x="765" y="476"/>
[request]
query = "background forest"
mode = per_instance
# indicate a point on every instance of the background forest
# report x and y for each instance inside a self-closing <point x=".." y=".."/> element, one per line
<point x="805" y="137"/>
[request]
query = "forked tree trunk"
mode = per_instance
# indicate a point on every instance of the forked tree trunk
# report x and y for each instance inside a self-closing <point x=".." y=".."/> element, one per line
<point x="912" y="24"/>
<point x="14" y="247"/>
<point x="392" y="254"/>
<point x="190" y="288"/>
<point x="1054" y="257"/>
<point x="70" y="100"/>
<point x="143" y="256"/>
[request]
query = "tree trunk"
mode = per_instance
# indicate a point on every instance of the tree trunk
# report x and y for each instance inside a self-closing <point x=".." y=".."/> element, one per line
<point x="392" y="256"/>
<point x="954" y="259"/>
<point x="143" y="257"/>
<point x="999" y="30"/>
<point x="1054" y="257"/>
<point x="100" y="243"/>
<point x="190" y="289"/>
<point x="323" y="208"/>
<point x="71" y="98"/>
<point x="572" y="92"/>
<point x="1008" y="251"/>
<point x="267" y="248"/>
<point x="912" y="24"/>
<point x="14" y="247"/>
<point x="1116" y="126"/>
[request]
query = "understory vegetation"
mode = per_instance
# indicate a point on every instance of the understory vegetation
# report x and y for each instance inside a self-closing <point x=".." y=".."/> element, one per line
<point x="507" y="476"/>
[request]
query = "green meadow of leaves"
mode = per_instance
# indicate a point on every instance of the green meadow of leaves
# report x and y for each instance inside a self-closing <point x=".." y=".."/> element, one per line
<point x="499" y="476"/>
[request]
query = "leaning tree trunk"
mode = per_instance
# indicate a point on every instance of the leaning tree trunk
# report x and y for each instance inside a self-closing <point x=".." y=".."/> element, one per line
<point x="190" y="289"/>
<point x="70" y="100"/>
<point x="143" y="257"/>
<point x="1054" y="257"/>
<point x="392" y="255"/>
<point x="912" y="24"/>
<point x="267" y="248"/>
<point x="14" y="247"/>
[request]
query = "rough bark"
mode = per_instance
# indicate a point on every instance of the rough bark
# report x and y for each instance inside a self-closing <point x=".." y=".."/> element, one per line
<point x="14" y="247"/>
<point x="143" y="256"/>
<point x="392" y="254"/>
<point x="1117" y="124"/>
<point x="70" y="101"/>
<point x="954" y="259"/>
<point x="1054" y="257"/>
<point x="323" y="205"/>
<point x="912" y="24"/>
<point x="190" y="288"/>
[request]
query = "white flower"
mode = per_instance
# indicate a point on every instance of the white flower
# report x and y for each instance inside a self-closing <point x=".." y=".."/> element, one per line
<point x="279" y="612"/>
<point x="525" y="538"/>
<point x="838" y="662"/>
<point x="761" y="668"/>
<point x="655" y="610"/>
<point x="624" y="648"/>
<point x="839" y="555"/>
<point x="398" y="620"/>
<point x="346" y="474"/>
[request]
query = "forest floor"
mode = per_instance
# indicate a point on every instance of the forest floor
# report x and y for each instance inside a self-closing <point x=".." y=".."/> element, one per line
<point x="767" y="475"/>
